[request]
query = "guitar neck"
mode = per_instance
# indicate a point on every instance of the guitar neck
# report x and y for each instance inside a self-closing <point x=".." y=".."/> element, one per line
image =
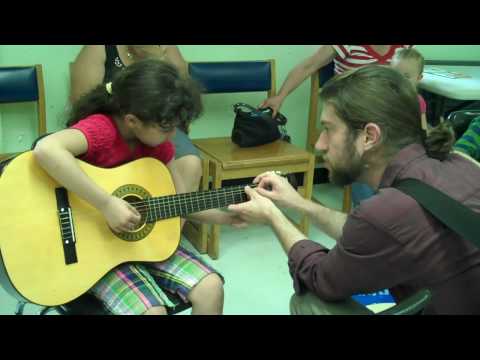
<point x="166" y="207"/>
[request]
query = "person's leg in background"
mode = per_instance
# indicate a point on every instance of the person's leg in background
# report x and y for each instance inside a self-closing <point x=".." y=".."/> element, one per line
<point x="188" y="161"/>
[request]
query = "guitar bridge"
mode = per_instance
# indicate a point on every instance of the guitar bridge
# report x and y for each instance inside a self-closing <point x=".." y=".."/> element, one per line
<point x="67" y="230"/>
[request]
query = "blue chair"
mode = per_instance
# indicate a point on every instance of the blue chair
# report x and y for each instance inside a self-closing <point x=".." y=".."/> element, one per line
<point x="226" y="160"/>
<point x="24" y="84"/>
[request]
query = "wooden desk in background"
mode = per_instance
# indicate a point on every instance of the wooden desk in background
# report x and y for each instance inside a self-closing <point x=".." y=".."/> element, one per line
<point x="457" y="80"/>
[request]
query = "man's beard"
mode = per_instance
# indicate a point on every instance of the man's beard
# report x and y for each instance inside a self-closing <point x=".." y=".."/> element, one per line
<point x="350" y="170"/>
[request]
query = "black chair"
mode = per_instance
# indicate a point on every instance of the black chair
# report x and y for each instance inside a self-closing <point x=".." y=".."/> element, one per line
<point x="460" y="120"/>
<point x="413" y="305"/>
<point x="87" y="304"/>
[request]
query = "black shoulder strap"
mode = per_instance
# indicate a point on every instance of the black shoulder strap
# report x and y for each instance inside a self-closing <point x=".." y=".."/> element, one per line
<point x="111" y="53"/>
<point x="452" y="213"/>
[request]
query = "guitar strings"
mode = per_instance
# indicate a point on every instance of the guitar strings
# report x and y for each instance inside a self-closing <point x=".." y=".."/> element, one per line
<point x="184" y="196"/>
<point x="188" y="201"/>
<point x="209" y="198"/>
<point x="167" y="210"/>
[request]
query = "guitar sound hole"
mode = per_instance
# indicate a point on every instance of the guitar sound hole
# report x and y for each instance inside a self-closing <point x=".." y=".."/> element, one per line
<point x="136" y="196"/>
<point x="133" y="199"/>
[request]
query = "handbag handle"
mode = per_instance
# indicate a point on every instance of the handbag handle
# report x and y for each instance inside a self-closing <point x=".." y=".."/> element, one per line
<point x="280" y="119"/>
<point x="239" y="105"/>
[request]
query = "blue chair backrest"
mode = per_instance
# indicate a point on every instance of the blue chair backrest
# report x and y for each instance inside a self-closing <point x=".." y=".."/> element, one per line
<point x="326" y="73"/>
<point x="18" y="84"/>
<point x="232" y="77"/>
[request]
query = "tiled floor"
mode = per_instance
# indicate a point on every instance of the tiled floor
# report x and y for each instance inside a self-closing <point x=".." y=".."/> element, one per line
<point x="253" y="264"/>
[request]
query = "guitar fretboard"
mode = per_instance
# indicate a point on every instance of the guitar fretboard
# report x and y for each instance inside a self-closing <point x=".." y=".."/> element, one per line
<point x="166" y="207"/>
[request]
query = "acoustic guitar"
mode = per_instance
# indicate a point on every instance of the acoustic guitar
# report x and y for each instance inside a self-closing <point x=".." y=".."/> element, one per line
<point x="54" y="246"/>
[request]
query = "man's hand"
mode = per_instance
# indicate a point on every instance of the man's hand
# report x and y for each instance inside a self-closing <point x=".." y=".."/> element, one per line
<point x="261" y="210"/>
<point x="278" y="189"/>
<point x="258" y="210"/>
<point x="236" y="221"/>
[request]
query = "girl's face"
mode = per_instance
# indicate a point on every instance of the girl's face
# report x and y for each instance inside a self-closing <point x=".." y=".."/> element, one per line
<point x="150" y="134"/>
<point x="153" y="135"/>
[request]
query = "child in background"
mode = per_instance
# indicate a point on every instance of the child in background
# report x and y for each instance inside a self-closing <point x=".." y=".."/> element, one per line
<point x="410" y="63"/>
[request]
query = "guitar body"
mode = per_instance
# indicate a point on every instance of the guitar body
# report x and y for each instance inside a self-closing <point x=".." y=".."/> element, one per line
<point x="31" y="242"/>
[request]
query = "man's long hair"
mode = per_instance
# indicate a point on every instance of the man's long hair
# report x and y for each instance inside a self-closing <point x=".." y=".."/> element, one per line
<point x="381" y="95"/>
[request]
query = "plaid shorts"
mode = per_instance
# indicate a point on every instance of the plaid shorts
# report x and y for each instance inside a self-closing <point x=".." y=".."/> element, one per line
<point x="133" y="288"/>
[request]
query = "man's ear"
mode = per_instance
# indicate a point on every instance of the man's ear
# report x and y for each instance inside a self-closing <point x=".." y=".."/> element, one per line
<point x="420" y="77"/>
<point x="373" y="135"/>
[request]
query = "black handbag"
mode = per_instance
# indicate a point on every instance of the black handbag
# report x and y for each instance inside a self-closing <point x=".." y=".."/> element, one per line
<point x="254" y="127"/>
